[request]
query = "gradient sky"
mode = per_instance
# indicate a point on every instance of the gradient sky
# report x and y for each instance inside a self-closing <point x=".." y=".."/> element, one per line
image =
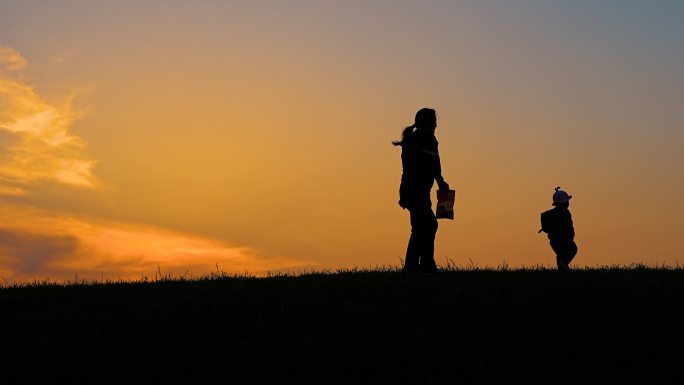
<point x="176" y="136"/>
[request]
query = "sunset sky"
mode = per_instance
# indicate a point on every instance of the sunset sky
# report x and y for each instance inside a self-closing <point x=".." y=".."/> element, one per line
<point x="186" y="136"/>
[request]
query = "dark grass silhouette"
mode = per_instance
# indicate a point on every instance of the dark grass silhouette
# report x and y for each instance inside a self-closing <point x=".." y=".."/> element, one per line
<point x="608" y="325"/>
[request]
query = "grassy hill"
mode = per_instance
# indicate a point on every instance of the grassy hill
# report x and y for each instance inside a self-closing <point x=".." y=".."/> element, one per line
<point x="468" y="326"/>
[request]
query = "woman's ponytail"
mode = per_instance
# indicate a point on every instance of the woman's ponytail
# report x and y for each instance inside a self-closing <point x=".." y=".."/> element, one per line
<point x="407" y="131"/>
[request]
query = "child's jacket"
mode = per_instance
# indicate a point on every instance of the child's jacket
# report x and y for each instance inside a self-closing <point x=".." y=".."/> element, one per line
<point x="557" y="224"/>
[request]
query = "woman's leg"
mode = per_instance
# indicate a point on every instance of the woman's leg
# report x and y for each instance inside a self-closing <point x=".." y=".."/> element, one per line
<point x="423" y="230"/>
<point x="413" y="249"/>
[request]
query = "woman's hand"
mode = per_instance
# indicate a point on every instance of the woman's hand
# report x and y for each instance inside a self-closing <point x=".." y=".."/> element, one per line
<point x="443" y="185"/>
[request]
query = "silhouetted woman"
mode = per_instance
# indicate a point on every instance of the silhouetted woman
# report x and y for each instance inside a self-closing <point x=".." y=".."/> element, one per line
<point x="421" y="167"/>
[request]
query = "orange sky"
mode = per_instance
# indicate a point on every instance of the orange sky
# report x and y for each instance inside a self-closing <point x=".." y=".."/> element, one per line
<point x="256" y="136"/>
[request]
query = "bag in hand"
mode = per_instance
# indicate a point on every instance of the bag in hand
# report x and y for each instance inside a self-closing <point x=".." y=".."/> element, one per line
<point x="445" y="204"/>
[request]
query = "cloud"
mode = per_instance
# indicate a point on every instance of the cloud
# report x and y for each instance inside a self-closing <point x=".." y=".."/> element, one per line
<point x="35" y="244"/>
<point x="11" y="60"/>
<point x="39" y="154"/>
<point x="39" y="146"/>
<point x="24" y="253"/>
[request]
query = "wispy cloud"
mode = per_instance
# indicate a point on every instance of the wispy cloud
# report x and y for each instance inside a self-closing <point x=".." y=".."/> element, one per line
<point x="11" y="60"/>
<point x="38" y="145"/>
<point x="36" y="244"/>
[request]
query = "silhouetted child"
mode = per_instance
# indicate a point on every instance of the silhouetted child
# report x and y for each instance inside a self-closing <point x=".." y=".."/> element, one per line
<point x="557" y="224"/>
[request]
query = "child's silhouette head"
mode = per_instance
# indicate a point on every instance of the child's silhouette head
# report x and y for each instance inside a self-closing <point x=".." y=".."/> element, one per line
<point x="561" y="198"/>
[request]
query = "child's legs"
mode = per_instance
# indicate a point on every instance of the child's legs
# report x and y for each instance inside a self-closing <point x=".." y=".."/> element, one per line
<point x="571" y="252"/>
<point x="562" y="266"/>
<point x="565" y="252"/>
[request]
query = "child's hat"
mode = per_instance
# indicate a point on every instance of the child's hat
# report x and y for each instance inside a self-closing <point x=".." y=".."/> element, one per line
<point x="560" y="196"/>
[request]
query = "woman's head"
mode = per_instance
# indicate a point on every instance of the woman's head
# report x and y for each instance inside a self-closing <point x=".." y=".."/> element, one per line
<point x="426" y="118"/>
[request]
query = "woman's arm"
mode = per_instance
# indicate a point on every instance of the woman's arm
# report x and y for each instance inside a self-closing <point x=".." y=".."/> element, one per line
<point x="441" y="183"/>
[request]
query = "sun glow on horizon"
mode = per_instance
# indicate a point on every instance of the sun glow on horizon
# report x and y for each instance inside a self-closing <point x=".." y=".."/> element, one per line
<point x="35" y="245"/>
